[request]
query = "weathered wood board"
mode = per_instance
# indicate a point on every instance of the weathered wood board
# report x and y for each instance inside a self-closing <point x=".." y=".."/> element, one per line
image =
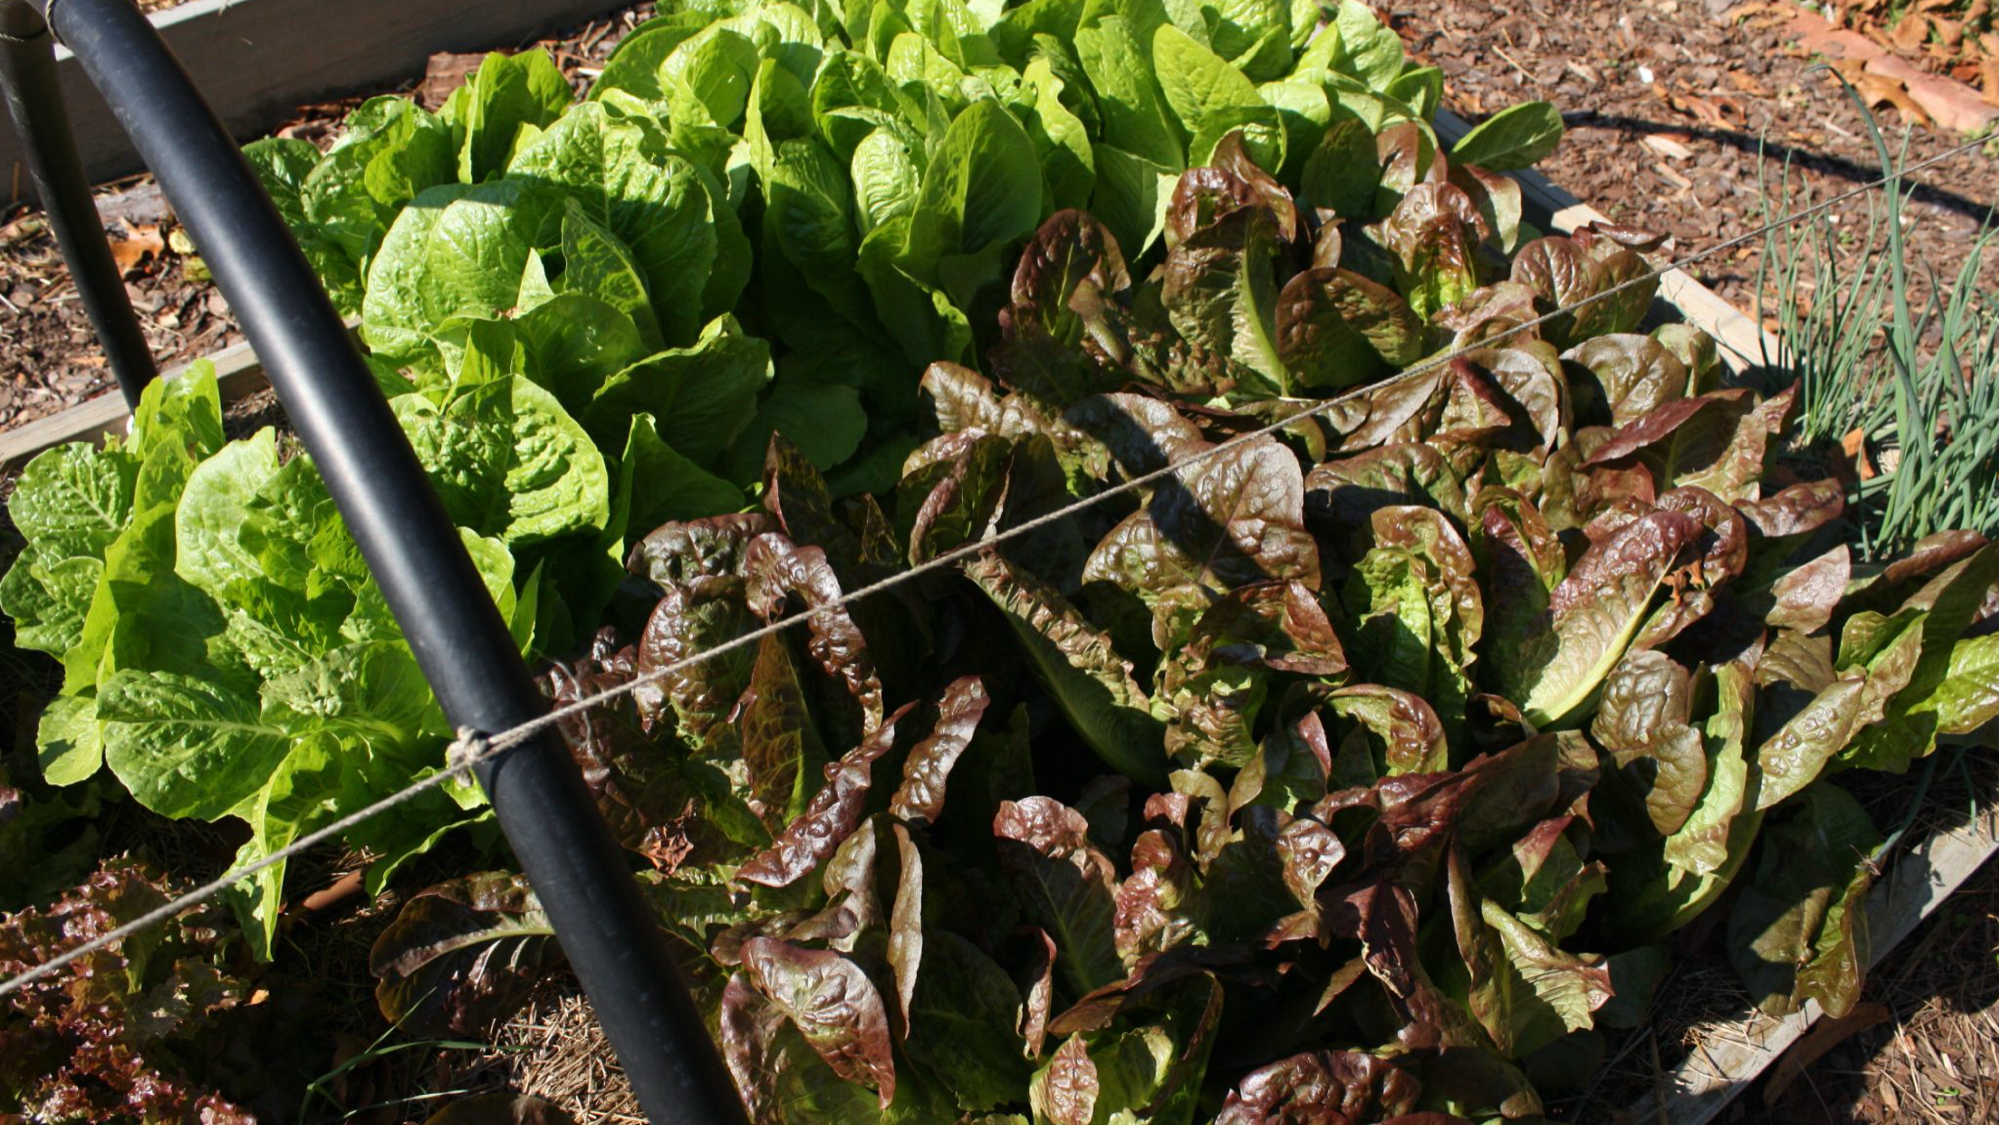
<point x="257" y="61"/>
<point x="238" y="374"/>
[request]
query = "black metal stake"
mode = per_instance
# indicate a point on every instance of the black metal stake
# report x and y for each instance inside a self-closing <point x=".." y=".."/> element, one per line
<point x="34" y="100"/>
<point x="458" y="636"/>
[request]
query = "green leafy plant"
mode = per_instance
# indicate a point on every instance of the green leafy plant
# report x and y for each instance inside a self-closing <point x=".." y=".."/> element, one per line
<point x="554" y="295"/>
<point x="852" y="185"/>
<point x="226" y="653"/>
<point x="1427" y="721"/>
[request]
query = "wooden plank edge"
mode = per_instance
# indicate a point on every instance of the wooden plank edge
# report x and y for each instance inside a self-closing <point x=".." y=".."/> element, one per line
<point x="1745" y="347"/>
<point x="333" y="48"/>
<point x="238" y="375"/>
<point x="1920" y="880"/>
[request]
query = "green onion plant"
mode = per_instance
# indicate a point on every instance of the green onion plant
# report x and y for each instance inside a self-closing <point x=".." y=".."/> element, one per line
<point x="1919" y="379"/>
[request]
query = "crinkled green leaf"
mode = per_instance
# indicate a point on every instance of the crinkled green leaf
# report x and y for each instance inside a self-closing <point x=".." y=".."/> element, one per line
<point x="462" y="954"/>
<point x="508" y="95"/>
<point x="1079" y="664"/>
<point x="456" y="250"/>
<point x="1645" y="720"/>
<point x="961" y="1023"/>
<point x="981" y="193"/>
<point x="1230" y="520"/>
<point x="187" y="746"/>
<point x="833" y="1004"/>
<point x="1068" y="884"/>
<point x="1524" y="990"/>
<point x="509" y="461"/>
<point x="1702" y="844"/>
<point x="704" y="395"/>
<point x="1336" y="328"/>
<point x="1322" y="1085"/>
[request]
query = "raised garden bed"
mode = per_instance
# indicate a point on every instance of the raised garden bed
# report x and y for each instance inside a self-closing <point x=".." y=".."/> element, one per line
<point x="1212" y="585"/>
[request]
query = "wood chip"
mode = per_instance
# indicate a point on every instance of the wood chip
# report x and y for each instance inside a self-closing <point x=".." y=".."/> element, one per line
<point x="1666" y="146"/>
<point x="443" y="75"/>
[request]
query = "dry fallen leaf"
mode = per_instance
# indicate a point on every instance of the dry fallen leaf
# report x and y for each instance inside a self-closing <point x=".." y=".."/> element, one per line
<point x="1748" y="84"/>
<point x="1756" y="8"/>
<point x="1988" y="80"/>
<point x="1878" y="89"/>
<point x="1910" y="33"/>
<point x="1949" y="33"/>
<point x="137" y="244"/>
<point x="1854" y="445"/>
<point x="1710" y="112"/>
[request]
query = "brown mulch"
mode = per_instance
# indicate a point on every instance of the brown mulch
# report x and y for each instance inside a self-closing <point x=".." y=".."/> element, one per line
<point x="552" y="1049"/>
<point x="49" y="354"/>
<point x="1677" y="119"/>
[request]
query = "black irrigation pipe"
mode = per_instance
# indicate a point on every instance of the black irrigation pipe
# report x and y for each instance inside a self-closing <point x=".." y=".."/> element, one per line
<point x="463" y="646"/>
<point x="34" y="100"/>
